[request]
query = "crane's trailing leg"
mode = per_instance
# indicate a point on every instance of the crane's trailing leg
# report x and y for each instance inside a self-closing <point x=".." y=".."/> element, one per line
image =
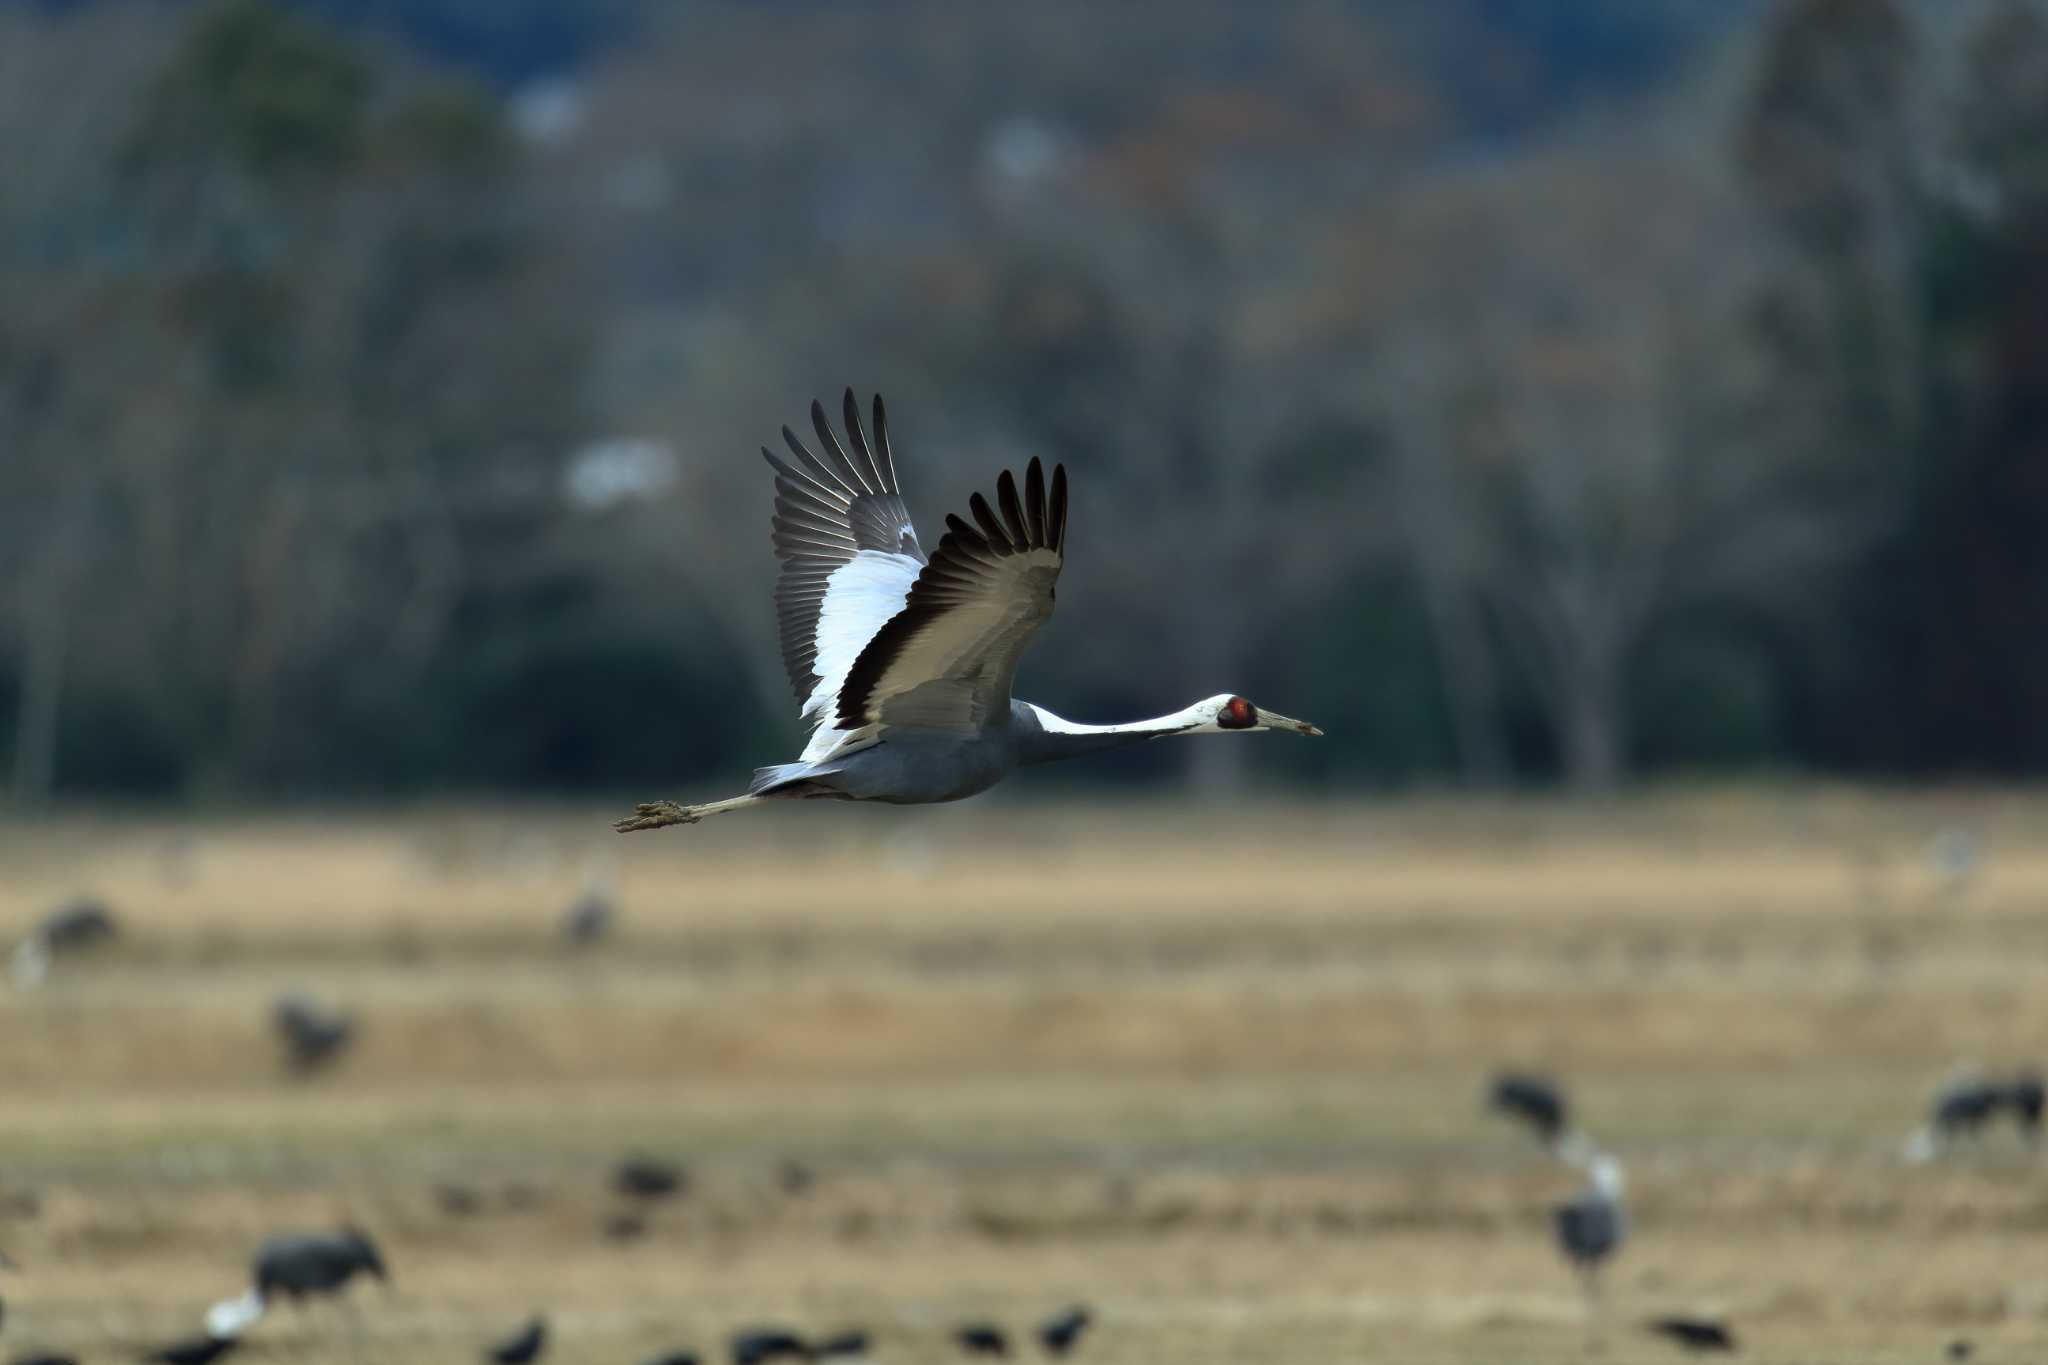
<point x="662" y="814"/>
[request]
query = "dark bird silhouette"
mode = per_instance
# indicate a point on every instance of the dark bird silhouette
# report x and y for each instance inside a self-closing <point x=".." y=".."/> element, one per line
<point x="759" y="1345"/>
<point x="1960" y="1109"/>
<point x="523" y="1346"/>
<point x="2025" y="1097"/>
<point x="982" y="1339"/>
<point x="311" y="1036"/>
<point x="1695" y="1334"/>
<point x="75" y="925"/>
<point x="46" y="1360"/>
<point x="842" y="1344"/>
<point x="639" y="1177"/>
<point x="198" y="1351"/>
<point x="299" y="1264"/>
<point x="1060" y="1333"/>
<point x="79" y="922"/>
<point x="1539" y="1104"/>
<point x="676" y="1358"/>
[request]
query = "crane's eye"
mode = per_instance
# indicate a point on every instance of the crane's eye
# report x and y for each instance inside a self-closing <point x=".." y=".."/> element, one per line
<point x="1237" y="714"/>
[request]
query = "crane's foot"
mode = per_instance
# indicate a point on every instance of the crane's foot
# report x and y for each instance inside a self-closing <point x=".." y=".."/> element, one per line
<point x="657" y="815"/>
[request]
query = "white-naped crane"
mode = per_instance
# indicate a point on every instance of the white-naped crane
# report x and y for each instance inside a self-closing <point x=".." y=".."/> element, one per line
<point x="902" y="662"/>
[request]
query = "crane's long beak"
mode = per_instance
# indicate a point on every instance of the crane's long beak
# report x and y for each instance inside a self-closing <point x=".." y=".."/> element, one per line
<point x="1273" y="720"/>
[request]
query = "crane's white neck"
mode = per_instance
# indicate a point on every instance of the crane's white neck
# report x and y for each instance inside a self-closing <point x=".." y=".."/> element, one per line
<point x="1058" y="737"/>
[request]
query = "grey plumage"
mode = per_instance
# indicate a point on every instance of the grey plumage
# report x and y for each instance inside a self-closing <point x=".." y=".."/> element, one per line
<point x="299" y="1264"/>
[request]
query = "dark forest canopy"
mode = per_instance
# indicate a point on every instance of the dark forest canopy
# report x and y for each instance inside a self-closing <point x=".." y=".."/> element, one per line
<point x="1530" y="392"/>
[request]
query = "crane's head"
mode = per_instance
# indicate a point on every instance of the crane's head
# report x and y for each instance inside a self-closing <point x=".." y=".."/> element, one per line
<point x="367" y="1257"/>
<point x="1227" y="711"/>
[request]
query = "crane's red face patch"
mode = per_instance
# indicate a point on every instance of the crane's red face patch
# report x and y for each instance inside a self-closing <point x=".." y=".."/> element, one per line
<point x="1237" y="714"/>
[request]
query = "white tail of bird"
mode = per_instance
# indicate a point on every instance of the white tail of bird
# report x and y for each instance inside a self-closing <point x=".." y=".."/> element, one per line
<point x="231" y="1317"/>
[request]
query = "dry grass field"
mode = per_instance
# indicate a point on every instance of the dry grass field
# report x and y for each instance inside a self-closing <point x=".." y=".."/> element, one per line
<point x="1216" y="1071"/>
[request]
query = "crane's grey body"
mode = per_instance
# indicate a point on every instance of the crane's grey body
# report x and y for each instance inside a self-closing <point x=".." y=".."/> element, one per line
<point x="902" y="662"/>
<point x="920" y="766"/>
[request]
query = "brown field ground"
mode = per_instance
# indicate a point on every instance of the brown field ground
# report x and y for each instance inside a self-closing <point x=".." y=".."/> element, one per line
<point x="1216" y="1071"/>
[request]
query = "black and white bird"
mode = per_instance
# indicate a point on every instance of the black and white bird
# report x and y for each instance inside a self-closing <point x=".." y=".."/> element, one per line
<point x="524" y="1346"/>
<point x="1061" y="1332"/>
<point x="298" y="1265"/>
<point x="1694" y="1334"/>
<point x="1961" y="1108"/>
<point x="903" y="663"/>
<point x="75" y="925"/>
<point x="311" y="1035"/>
<point x="1590" y="1228"/>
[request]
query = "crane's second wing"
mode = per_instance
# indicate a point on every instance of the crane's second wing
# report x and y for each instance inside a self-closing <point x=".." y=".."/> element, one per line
<point x="946" y="660"/>
<point x="849" y="553"/>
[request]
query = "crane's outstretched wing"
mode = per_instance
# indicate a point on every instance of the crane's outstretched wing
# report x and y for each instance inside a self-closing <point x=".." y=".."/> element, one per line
<point x="946" y="660"/>
<point x="849" y="553"/>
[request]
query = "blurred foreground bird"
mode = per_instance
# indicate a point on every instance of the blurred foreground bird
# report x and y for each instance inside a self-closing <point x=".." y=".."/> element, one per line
<point x="840" y="1344"/>
<point x="1961" y="1108"/>
<point x="311" y="1035"/>
<point x="1694" y="1334"/>
<point x="1060" y="1333"/>
<point x="903" y="663"/>
<point x="759" y="1345"/>
<point x="523" y="1346"/>
<point x="982" y="1339"/>
<point x="75" y="925"/>
<point x="643" y="1177"/>
<point x="298" y="1265"/>
<point x="1591" y="1227"/>
<point x="1539" y="1104"/>
<point x="198" y="1351"/>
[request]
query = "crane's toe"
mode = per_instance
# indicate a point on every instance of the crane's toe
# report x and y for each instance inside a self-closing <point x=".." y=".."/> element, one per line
<point x="656" y="815"/>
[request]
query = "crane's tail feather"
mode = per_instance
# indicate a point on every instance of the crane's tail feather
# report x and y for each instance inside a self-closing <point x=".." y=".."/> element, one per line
<point x="662" y="814"/>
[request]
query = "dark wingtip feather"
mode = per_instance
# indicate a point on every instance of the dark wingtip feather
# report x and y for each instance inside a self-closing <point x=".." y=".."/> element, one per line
<point x="864" y="459"/>
<point x="968" y="536"/>
<point x="1034" y="500"/>
<point x="990" y="527"/>
<point x="885" y="459"/>
<point x="1056" y="513"/>
<point x="834" y="452"/>
<point x="1013" y="510"/>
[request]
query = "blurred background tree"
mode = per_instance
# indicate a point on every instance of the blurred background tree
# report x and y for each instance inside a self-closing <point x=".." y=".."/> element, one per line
<point x="1530" y="393"/>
